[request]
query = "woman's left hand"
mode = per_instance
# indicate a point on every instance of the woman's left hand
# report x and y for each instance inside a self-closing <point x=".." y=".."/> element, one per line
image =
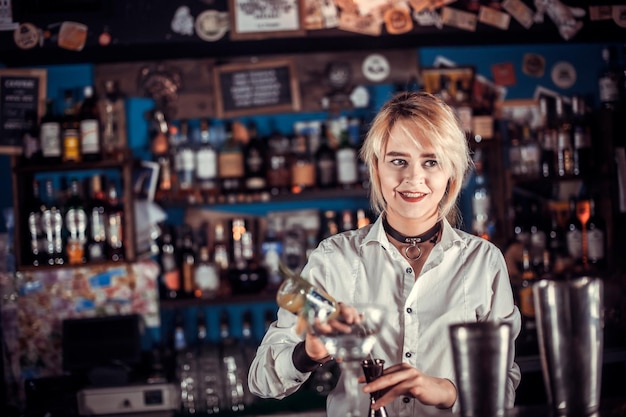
<point x="403" y="380"/>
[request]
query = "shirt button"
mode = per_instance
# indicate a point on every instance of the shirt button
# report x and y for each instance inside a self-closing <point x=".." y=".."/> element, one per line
<point x="409" y="310"/>
<point x="406" y="400"/>
<point x="409" y="270"/>
<point x="408" y="354"/>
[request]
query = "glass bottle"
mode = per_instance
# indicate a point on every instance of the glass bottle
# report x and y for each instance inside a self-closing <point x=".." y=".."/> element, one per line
<point x="255" y="161"/>
<point x="70" y="130"/>
<point x="548" y="140"/>
<point x="188" y="264"/>
<point x="170" y="273"/>
<point x="206" y="162"/>
<point x="89" y="126"/>
<point x="50" y="135"/>
<point x="573" y="233"/>
<point x="205" y="276"/>
<point x="115" y="225"/>
<point x="608" y="79"/>
<point x="278" y="170"/>
<point x="184" y="159"/>
<point x="538" y="238"/>
<point x="296" y="294"/>
<point x="34" y="226"/>
<point x="325" y="161"/>
<point x="347" y="159"/>
<point x="52" y="225"/>
<point x="113" y="112"/>
<point x="582" y="151"/>
<point x="526" y="302"/>
<point x="246" y="274"/>
<point x="230" y="163"/>
<point x="302" y="166"/>
<point x="76" y="225"/>
<point x="565" y="157"/>
<point x="596" y="232"/>
<point x="97" y="214"/>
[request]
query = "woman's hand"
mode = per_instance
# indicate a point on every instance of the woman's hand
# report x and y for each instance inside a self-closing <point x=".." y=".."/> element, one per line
<point x="314" y="347"/>
<point x="403" y="380"/>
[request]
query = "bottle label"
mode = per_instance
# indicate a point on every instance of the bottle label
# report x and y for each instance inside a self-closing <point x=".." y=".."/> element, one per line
<point x="574" y="243"/>
<point x="595" y="244"/>
<point x="231" y="165"/>
<point x="608" y="90"/>
<point x="89" y="136"/>
<point x="171" y="280"/>
<point x="347" y="171"/>
<point x="71" y="145"/>
<point x="527" y="304"/>
<point x="206" y="164"/>
<point x="326" y="171"/>
<point x="76" y="223"/>
<point x="303" y="174"/>
<point x="50" y="137"/>
<point x="114" y="234"/>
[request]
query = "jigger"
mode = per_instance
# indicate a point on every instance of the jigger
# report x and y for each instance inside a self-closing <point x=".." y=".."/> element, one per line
<point x="372" y="369"/>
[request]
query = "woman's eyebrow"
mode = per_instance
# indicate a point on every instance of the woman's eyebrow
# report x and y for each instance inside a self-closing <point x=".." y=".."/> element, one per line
<point x="397" y="153"/>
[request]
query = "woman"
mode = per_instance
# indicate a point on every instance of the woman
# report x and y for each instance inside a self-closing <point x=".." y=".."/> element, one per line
<point x="417" y="155"/>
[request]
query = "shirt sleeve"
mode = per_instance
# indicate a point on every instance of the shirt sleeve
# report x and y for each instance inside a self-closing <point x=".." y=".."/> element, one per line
<point x="272" y="373"/>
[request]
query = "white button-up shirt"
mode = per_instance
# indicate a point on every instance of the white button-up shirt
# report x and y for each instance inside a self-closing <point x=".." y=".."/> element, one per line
<point x="464" y="279"/>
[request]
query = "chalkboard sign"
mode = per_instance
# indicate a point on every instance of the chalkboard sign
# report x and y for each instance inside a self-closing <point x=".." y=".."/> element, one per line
<point x="22" y="103"/>
<point x="263" y="87"/>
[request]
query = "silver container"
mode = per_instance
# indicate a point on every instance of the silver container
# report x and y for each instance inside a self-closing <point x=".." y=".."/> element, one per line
<point x="570" y="328"/>
<point x="480" y="351"/>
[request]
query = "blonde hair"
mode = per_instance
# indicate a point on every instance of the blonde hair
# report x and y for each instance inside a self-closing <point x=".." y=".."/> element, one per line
<point x="422" y="115"/>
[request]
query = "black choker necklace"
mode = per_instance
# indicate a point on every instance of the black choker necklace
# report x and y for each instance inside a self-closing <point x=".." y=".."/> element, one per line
<point x="412" y="240"/>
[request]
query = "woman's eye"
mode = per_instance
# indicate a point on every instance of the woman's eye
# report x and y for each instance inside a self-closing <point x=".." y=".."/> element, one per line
<point x="431" y="163"/>
<point x="398" y="162"/>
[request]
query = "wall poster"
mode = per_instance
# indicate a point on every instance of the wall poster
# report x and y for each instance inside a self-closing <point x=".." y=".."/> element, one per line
<point x="259" y="19"/>
<point x="22" y="104"/>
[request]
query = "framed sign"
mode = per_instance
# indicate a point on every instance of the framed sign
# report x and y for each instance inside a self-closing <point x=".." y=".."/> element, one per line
<point x="266" y="19"/>
<point x="262" y="87"/>
<point x="22" y="104"/>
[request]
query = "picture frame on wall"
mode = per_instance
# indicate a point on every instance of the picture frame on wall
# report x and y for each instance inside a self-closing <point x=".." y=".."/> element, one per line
<point x="263" y="19"/>
<point x="22" y="105"/>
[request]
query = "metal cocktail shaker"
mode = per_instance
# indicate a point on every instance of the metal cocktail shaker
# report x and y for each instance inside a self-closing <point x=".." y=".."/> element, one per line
<point x="570" y="327"/>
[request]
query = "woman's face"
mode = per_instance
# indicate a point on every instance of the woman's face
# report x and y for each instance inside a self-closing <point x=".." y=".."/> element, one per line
<point x="411" y="180"/>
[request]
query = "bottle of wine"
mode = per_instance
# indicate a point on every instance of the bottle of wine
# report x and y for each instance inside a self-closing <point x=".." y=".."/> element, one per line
<point x="188" y="265"/>
<point x="170" y="273"/>
<point x="76" y="225"/>
<point x="347" y="159"/>
<point x="573" y="234"/>
<point x="113" y="112"/>
<point x="89" y="126"/>
<point x="205" y="276"/>
<point x="608" y="79"/>
<point x="565" y="157"/>
<point x="97" y="214"/>
<point x="52" y="225"/>
<point x="50" y="135"/>
<point x="70" y="130"/>
<point x="279" y="171"/>
<point x="230" y="163"/>
<point x="206" y="163"/>
<point x="115" y="227"/>
<point x="596" y="234"/>
<point x="325" y="161"/>
<point x="255" y="162"/>
<point x="548" y="135"/>
<point x="303" y="165"/>
<point x="583" y="152"/>
<point x="34" y="226"/>
<point x="184" y="158"/>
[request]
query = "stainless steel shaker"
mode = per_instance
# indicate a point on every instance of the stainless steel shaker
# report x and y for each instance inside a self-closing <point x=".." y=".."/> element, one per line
<point x="570" y="328"/>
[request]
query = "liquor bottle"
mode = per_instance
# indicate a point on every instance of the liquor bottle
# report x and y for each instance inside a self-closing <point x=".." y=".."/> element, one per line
<point x="97" y="215"/>
<point x="170" y="273"/>
<point x="35" y="227"/>
<point x="347" y="220"/>
<point x="206" y="162"/>
<point x="565" y="157"/>
<point x="113" y="112"/>
<point x="230" y="163"/>
<point x="596" y="232"/>
<point x="52" y="225"/>
<point x="70" y="130"/>
<point x="515" y="156"/>
<point x="50" y="135"/>
<point x="608" y="79"/>
<point x="158" y="131"/>
<point x="221" y="256"/>
<point x="31" y="145"/>
<point x="573" y="234"/>
<point x="330" y="225"/>
<point x="205" y="276"/>
<point x="278" y="170"/>
<point x="89" y="126"/>
<point x="526" y="303"/>
<point x="556" y="239"/>
<point x="246" y="274"/>
<point x="184" y="158"/>
<point x="538" y="238"/>
<point x="255" y="161"/>
<point x="296" y="294"/>
<point x="583" y="152"/>
<point x="583" y="213"/>
<point x="548" y="140"/>
<point x="303" y="172"/>
<point x="347" y="159"/>
<point x="325" y="161"/>
<point x="362" y="219"/>
<point x="76" y="225"/>
<point x="530" y="152"/>
<point x="115" y="225"/>
<point x="481" y="200"/>
<point x="187" y="265"/>
<point x="271" y="252"/>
